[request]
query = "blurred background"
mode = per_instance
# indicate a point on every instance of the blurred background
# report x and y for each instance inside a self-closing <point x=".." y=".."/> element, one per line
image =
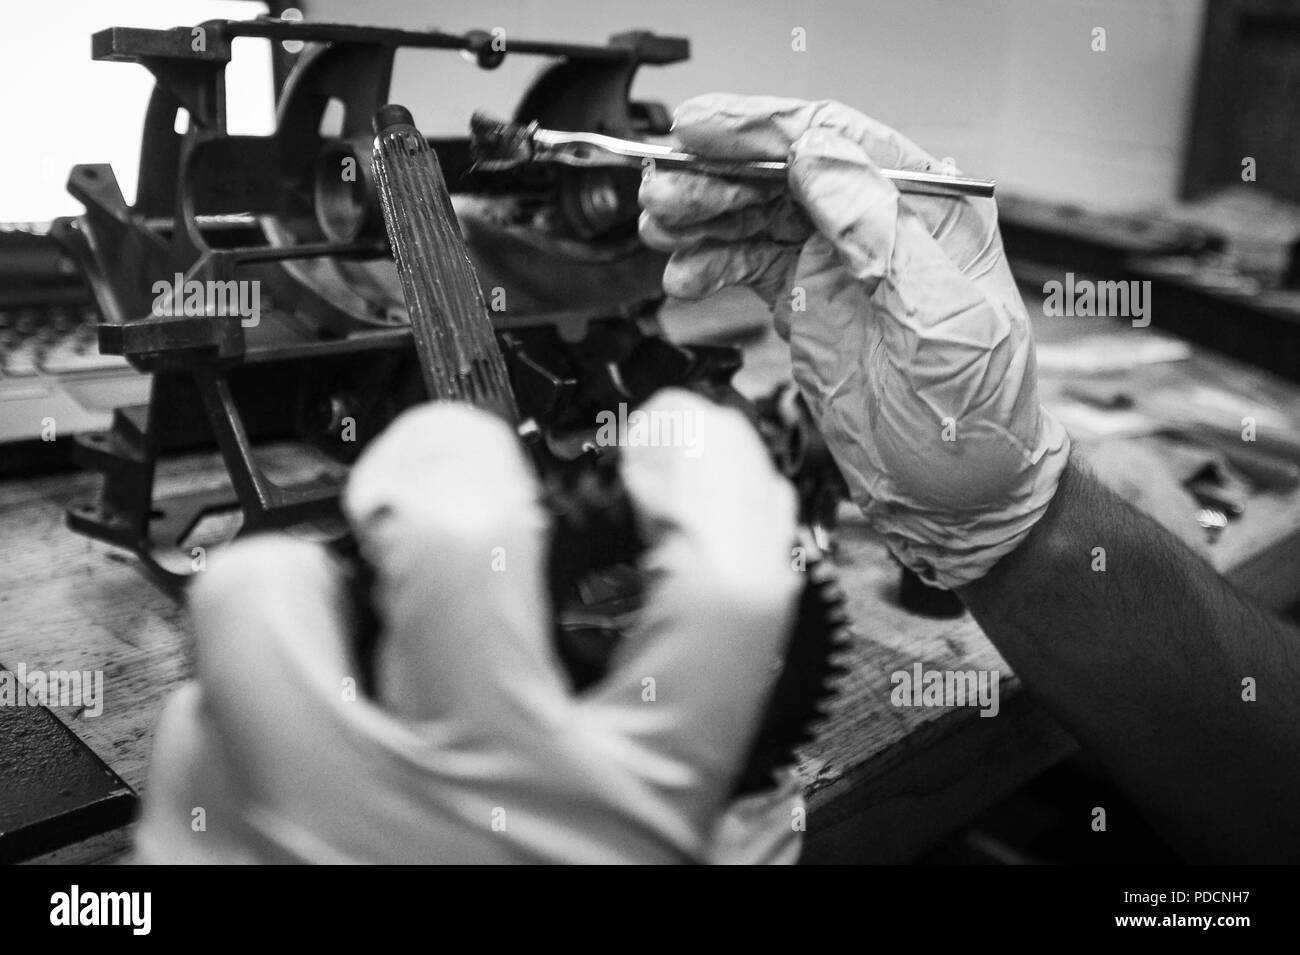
<point x="1010" y="89"/>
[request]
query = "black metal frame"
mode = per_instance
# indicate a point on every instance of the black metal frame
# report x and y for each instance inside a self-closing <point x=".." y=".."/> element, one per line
<point x="317" y="335"/>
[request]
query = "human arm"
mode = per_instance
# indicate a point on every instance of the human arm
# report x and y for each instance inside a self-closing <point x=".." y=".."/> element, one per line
<point x="1146" y="661"/>
<point x="909" y="340"/>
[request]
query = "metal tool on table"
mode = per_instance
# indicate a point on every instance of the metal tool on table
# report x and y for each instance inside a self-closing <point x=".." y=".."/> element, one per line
<point x="1212" y="521"/>
<point x="499" y="145"/>
<point x="1268" y="460"/>
<point x="594" y="528"/>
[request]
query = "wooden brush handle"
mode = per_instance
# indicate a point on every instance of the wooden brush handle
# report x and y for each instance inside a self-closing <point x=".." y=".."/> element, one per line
<point x="459" y="355"/>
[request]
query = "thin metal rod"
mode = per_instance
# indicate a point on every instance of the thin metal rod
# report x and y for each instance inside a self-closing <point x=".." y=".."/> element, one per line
<point x="594" y="149"/>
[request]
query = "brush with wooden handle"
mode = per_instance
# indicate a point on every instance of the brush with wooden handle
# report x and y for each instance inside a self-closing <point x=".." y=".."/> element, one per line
<point x="454" y="338"/>
<point x="461" y="360"/>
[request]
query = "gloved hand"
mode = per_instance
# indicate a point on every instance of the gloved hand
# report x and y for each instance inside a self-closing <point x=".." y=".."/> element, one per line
<point x="477" y="750"/>
<point x="907" y="334"/>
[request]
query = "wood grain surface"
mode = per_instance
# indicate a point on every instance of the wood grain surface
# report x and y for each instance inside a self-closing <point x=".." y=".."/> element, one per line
<point x="884" y="782"/>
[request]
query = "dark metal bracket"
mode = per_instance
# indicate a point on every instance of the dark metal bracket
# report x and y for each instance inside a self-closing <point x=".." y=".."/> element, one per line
<point x="212" y="207"/>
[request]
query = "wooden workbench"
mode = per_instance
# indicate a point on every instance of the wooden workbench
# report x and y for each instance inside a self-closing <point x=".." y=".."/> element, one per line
<point x="885" y="783"/>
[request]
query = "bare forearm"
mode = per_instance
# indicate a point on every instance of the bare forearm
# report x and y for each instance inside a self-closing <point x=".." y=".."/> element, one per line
<point x="1146" y="662"/>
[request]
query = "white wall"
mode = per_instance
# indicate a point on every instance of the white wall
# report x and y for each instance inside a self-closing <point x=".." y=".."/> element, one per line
<point x="1009" y="88"/>
<point x="58" y="107"/>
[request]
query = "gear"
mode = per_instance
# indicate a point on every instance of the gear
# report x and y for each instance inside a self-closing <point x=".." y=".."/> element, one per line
<point x="594" y="542"/>
<point x="809" y="679"/>
<point x="810" y="668"/>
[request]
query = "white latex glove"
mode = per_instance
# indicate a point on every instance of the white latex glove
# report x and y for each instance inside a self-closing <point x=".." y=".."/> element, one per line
<point x="476" y="750"/>
<point x="907" y="334"/>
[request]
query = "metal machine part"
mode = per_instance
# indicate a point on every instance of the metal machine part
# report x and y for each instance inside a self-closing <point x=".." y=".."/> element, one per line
<point x="330" y="360"/>
<point x="801" y="454"/>
<point x="332" y="342"/>
<point x="810" y="676"/>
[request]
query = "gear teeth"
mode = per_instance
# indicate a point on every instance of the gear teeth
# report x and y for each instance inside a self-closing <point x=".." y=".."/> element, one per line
<point x="811" y="674"/>
<point x="842" y="640"/>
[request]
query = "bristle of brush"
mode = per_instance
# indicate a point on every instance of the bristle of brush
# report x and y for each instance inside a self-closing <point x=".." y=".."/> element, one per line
<point x="494" y="139"/>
